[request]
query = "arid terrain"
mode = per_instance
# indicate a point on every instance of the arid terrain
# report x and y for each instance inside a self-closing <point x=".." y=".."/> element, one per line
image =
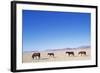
<point x="57" y="55"/>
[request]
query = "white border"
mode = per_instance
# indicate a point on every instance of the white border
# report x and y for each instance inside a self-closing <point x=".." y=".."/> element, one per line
<point x="21" y="65"/>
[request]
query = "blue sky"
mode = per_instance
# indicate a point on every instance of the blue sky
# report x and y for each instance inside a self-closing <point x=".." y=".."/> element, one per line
<point x="53" y="30"/>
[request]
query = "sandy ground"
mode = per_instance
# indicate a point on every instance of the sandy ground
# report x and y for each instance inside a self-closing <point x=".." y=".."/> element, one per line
<point x="58" y="56"/>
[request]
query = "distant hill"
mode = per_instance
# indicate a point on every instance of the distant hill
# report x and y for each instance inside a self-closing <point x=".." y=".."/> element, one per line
<point x="60" y="49"/>
<point x="84" y="47"/>
<point x="81" y="47"/>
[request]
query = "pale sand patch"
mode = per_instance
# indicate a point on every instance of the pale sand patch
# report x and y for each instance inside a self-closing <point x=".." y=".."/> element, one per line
<point x="59" y="55"/>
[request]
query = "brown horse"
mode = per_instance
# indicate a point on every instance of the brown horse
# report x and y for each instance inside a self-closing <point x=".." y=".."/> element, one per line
<point x="82" y="53"/>
<point x="51" y="54"/>
<point x="70" y="53"/>
<point x="36" y="55"/>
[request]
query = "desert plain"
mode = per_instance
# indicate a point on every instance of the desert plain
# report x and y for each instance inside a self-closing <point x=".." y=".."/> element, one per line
<point x="59" y="55"/>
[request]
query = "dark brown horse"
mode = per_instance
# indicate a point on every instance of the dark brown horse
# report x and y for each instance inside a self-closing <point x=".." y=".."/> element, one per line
<point x="36" y="55"/>
<point x="51" y="54"/>
<point x="82" y="53"/>
<point x="70" y="53"/>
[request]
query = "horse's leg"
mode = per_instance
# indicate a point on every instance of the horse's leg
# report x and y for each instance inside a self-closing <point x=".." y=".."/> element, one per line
<point x="73" y="54"/>
<point x="69" y="54"/>
<point x="33" y="57"/>
<point x="53" y="55"/>
<point x="39" y="56"/>
<point x="81" y="54"/>
<point x="85" y="53"/>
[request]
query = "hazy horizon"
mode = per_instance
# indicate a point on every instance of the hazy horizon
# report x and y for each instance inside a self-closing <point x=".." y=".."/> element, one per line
<point x="51" y="30"/>
<point x="89" y="47"/>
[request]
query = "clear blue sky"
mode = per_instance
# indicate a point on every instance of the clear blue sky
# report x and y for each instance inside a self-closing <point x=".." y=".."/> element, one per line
<point x="53" y="30"/>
